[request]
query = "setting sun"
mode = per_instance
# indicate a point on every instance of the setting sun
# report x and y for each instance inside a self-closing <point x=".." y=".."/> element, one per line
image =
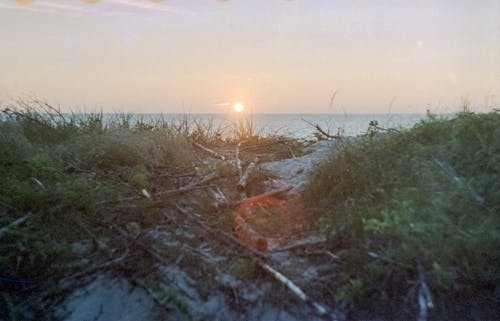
<point x="238" y="107"/>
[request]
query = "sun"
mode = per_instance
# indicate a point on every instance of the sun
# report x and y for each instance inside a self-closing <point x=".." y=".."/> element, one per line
<point x="238" y="107"/>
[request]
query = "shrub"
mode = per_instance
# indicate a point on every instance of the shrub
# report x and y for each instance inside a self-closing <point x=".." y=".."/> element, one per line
<point x="426" y="196"/>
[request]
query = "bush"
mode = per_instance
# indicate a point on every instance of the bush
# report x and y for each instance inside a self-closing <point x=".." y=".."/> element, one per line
<point x="428" y="196"/>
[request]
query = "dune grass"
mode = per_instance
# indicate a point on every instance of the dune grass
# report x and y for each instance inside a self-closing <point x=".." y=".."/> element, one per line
<point x="407" y="206"/>
<point x="70" y="171"/>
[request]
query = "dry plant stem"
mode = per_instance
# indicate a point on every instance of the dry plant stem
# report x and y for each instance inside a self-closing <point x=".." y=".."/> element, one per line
<point x="20" y="220"/>
<point x="321" y="131"/>
<point x="424" y="294"/>
<point x="185" y="188"/>
<point x="210" y="151"/>
<point x="292" y="287"/>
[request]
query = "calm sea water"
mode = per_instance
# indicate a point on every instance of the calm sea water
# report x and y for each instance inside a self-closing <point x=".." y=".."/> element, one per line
<point x="296" y="125"/>
<point x="293" y="125"/>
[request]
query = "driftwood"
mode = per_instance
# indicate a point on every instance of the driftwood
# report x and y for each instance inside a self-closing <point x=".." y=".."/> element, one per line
<point x="219" y="233"/>
<point x="310" y="241"/>
<point x="242" y="184"/>
<point x="293" y="287"/>
<point x="6" y="229"/>
<point x="321" y="131"/>
<point x="210" y="151"/>
<point x="189" y="187"/>
<point x="237" y="159"/>
<point x="277" y="275"/>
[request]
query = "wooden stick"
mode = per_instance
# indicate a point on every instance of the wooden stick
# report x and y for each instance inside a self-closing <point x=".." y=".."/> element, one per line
<point x="242" y="184"/>
<point x="293" y="287"/>
<point x="238" y="161"/>
<point x="20" y="220"/>
<point x="180" y="190"/>
<point x="210" y="151"/>
<point x="302" y="243"/>
<point x="322" y="132"/>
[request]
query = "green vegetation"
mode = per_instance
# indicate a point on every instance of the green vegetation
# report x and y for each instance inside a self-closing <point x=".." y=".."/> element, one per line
<point x="82" y="177"/>
<point x="408" y="207"/>
<point x="70" y="171"/>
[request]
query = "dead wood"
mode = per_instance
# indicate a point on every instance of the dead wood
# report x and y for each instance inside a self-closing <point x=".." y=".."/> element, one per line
<point x="218" y="233"/>
<point x="327" y="253"/>
<point x="302" y="243"/>
<point x="321" y="131"/>
<point x="237" y="159"/>
<point x="293" y="287"/>
<point x="209" y="151"/>
<point x="6" y="229"/>
<point x="242" y="184"/>
<point x="189" y="187"/>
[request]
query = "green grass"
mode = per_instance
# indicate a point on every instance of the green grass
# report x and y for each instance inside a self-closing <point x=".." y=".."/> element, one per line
<point x="70" y="171"/>
<point x="427" y="196"/>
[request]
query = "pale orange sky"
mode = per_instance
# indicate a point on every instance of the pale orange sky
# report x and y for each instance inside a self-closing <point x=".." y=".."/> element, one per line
<point x="276" y="56"/>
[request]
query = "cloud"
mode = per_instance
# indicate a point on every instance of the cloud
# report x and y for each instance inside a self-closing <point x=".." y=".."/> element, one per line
<point x="151" y="5"/>
<point x="48" y="7"/>
<point x="53" y="7"/>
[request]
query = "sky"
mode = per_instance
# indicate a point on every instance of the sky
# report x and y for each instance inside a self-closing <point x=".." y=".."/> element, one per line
<point x="274" y="56"/>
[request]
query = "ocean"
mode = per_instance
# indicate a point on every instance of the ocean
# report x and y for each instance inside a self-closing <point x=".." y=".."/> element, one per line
<point x="292" y="125"/>
<point x="298" y="125"/>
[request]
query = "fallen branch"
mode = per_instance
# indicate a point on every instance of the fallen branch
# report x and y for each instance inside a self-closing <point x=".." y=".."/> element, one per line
<point x="293" y="287"/>
<point x="180" y="190"/>
<point x="237" y="158"/>
<point x="321" y="131"/>
<point x="219" y="233"/>
<point x="6" y="229"/>
<point x="242" y="184"/>
<point x="302" y="243"/>
<point x="210" y="151"/>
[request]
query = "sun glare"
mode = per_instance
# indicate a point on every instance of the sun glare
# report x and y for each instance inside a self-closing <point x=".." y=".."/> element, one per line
<point x="238" y="107"/>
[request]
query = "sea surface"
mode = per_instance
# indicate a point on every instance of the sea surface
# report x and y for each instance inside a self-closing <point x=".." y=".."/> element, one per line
<point x="295" y="125"/>
<point x="292" y="125"/>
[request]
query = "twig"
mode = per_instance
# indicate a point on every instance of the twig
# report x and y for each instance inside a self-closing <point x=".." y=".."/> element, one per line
<point x="327" y="253"/>
<point x="424" y="294"/>
<point x="237" y="158"/>
<point x="322" y="132"/>
<point x="20" y="220"/>
<point x="302" y="243"/>
<point x="293" y="287"/>
<point x="210" y="151"/>
<point x="218" y="233"/>
<point x="242" y="184"/>
<point x="180" y="190"/>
